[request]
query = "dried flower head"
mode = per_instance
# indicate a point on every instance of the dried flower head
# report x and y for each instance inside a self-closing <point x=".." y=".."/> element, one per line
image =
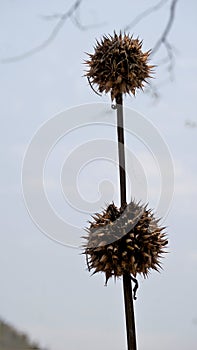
<point x="124" y="240"/>
<point x="118" y="65"/>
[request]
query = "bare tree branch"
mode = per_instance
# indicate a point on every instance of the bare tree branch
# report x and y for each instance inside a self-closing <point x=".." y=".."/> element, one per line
<point x="163" y="40"/>
<point x="144" y="14"/>
<point x="72" y="14"/>
<point x="52" y="17"/>
<point x="169" y="60"/>
<point x="167" y="29"/>
<point x="62" y="19"/>
<point x="77" y="21"/>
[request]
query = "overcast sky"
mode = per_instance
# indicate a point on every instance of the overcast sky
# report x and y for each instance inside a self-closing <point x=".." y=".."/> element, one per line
<point x="46" y="289"/>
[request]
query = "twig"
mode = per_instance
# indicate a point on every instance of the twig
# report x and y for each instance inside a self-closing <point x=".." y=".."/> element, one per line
<point x="169" y="60"/>
<point x="76" y="20"/>
<point x="52" y="36"/>
<point x="167" y="29"/>
<point x="52" y="17"/>
<point x="70" y="14"/>
<point x="144" y="14"/>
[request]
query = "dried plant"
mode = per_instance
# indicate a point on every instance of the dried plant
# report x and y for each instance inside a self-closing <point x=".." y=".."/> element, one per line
<point x="124" y="240"/>
<point x="118" y="65"/>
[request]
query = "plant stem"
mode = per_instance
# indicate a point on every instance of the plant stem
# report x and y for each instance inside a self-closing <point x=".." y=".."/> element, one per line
<point x="127" y="287"/>
<point x="129" y="312"/>
<point x="121" y="151"/>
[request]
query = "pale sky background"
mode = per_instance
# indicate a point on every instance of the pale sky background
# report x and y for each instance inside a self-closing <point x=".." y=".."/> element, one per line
<point x="45" y="289"/>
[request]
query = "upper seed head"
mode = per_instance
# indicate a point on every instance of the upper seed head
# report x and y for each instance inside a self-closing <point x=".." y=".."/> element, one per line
<point x="118" y="65"/>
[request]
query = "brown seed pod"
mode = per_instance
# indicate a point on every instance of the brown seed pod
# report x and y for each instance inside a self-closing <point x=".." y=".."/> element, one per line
<point x="124" y="240"/>
<point x="118" y="65"/>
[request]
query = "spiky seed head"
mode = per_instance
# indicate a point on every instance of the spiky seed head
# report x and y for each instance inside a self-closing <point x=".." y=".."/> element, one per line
<point x="123" y="240"/>
<point x="118" y="65"/>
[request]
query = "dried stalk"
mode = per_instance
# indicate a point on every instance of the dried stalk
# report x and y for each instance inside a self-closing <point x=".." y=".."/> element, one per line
<point x="127" y="288"/>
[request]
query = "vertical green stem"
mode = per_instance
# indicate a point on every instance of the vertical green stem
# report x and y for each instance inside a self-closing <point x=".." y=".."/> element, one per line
<point x="127" y="287"/>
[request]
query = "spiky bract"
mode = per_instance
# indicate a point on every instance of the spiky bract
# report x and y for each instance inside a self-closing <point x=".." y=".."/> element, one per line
<point x="124" y="240"/>
<point x="118" y="65"/>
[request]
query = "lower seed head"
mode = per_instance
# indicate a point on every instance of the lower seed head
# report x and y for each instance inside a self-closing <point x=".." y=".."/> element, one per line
<point x="138" y="247"/>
